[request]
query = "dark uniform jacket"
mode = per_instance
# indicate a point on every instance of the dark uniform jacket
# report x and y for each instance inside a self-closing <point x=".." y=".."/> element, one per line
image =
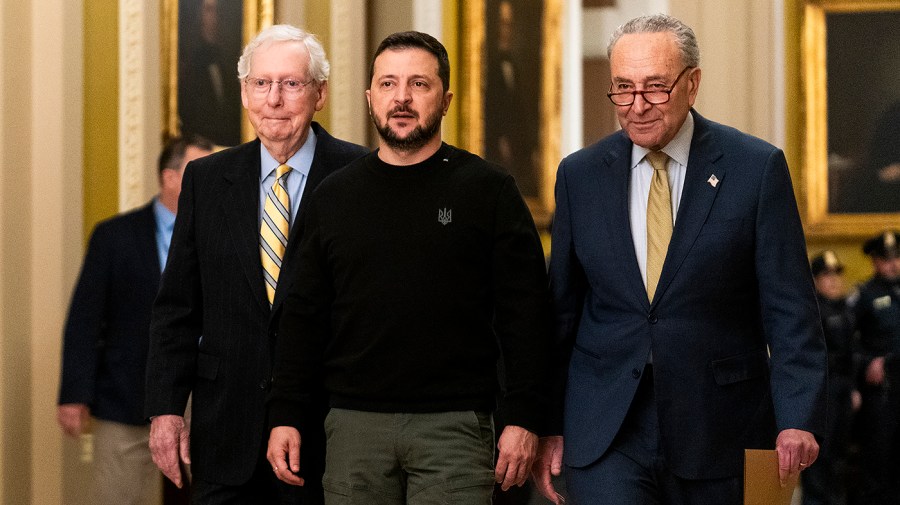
<point x="878" y="320"/>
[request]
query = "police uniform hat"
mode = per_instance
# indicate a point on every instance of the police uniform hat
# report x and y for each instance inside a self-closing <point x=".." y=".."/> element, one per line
<point x="826" y="261"/>
<point x="886" y="245"/>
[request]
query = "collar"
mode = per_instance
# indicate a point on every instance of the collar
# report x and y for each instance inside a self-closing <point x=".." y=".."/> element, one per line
<point x="165" y="218"/>
<point x="301" y="161"/>
<point x="678" y="148"/>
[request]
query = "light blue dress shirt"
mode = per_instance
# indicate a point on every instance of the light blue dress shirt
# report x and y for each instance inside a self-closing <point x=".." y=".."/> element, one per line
<point x="300" y="164"/>
<point x="165" y="223"/>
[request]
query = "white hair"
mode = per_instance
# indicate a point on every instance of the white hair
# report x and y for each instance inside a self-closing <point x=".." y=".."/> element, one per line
<point x="656" y="23"/>
<point x="318" y="64"/>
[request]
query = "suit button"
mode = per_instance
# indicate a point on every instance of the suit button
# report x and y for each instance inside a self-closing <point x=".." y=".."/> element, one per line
<point x="263" y="384"/>
<point x="635" y="373"/>
<point x="652" y="318"/>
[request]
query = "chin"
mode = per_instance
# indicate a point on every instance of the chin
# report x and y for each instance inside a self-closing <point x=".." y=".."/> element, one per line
<point x="403" y="135"/>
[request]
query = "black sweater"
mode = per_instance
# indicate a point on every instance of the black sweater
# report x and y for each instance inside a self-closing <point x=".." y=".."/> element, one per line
<point x="409" y="277"/>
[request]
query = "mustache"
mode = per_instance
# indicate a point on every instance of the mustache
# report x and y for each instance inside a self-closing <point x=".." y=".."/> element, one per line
<point x="404" y="109"/>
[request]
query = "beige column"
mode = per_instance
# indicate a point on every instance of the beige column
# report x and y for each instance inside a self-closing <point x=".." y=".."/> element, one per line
<point x="56" y="238"/>
<point x="140" y="112"/>
<point x="428" y="17"/>
<point x="15" y="251"/>
<point x="349" y="70"/>
<point x="40" y="247"/>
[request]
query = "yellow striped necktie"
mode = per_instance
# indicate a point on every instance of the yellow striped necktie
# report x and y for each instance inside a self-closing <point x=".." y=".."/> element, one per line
<point x="659" y="219"/>
<point x="273" y="232"/>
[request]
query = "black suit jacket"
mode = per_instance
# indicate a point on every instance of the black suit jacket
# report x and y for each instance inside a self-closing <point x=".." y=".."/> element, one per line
<point x="210" y="332"/>
<point x="734" y="286"/>
<point x="107" y="330"/>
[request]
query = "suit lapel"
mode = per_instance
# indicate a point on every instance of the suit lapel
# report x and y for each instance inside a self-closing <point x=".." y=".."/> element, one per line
<point x="241" y="207"/>
<point x="614" y="191"/>
<point x="696" y="200"/>
<point x="318" y="170"/>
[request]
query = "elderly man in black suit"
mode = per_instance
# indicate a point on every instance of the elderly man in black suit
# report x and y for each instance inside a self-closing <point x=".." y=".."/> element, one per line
<point x="212" y="333"/>
<point x="107" y="335"/>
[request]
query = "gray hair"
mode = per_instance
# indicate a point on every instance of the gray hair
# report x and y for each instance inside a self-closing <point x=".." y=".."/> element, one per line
<point x="318" y="64"/>
<point x="656" y="23"/>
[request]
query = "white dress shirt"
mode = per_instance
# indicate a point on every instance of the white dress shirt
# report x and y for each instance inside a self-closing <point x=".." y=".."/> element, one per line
<point x="678" y="150"/>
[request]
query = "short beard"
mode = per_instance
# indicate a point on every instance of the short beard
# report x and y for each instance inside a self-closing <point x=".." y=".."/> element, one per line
<point x="418" y="138"/>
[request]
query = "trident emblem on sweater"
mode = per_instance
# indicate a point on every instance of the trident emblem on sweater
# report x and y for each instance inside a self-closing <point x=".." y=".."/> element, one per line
<point x="445" y="216"/>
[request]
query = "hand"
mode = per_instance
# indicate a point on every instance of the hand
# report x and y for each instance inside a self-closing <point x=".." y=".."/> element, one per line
<point x="797" y="450"/>
<point x="855" y="400"/>
<point x="284" y="454"/>
<point x="518" y="447"/>
<point x="547" y="464"/>
<point x="875" y="371"/>
<point x="73" y="418"/>
<point x="170" y="441"/>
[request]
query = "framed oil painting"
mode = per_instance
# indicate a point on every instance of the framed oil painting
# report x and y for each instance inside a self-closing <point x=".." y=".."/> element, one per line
<point x="201" y="41"/>
<point x="511" y="56"/>
<point x="851" y="156"/>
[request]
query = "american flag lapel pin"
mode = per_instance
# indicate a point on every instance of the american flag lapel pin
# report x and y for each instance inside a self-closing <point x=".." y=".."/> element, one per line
<point x="713" y="180"/>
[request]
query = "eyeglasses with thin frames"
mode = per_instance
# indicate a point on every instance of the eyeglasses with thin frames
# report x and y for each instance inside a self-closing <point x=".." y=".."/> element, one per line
<point x="651" y="96"/>
<point x="290" y="87"/>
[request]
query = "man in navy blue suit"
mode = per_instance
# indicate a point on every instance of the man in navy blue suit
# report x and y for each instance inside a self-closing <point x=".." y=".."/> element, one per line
<point x="107" y="336"/>
<point x="684" y="306"/>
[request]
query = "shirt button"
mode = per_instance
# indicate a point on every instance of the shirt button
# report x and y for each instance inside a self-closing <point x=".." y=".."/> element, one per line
<point x="636" y="373"/>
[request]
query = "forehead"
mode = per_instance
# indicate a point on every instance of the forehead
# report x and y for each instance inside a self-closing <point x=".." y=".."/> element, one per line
<point x="637" y="56"/>
<point x="281" y="58"/>
<point x="405" y="62"/>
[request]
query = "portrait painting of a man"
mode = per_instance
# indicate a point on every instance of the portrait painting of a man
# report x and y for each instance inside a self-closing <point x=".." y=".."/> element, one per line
<point x="863" y="112"/>
<point x="209" y="44"/>
<point x="513" y="90"/>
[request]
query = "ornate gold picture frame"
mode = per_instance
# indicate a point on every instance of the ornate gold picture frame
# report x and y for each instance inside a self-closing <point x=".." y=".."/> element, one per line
<point x="200" y="41"/>
<point x="850" y="64"/>
<point x="510" y="91"/>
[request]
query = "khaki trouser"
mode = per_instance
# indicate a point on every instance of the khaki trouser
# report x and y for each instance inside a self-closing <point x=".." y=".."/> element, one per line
<point x="124" y="473"/>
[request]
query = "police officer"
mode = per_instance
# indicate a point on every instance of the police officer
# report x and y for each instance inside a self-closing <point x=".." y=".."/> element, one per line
<point x="824" y="482"/>
<point x="878" y="319"/>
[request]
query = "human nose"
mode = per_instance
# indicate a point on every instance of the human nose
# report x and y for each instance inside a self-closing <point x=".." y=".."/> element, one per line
<point x="640" y="104"/>
<point x="274" y="95"/>
<point x="402" y="94"/>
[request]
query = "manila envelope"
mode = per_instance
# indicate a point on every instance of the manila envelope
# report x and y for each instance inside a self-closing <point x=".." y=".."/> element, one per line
<point x="761" y="484"/>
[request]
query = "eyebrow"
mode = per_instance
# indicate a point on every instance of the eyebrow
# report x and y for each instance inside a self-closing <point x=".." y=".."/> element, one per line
<point x="395" y="77"/>
<point x="655" y="77"/>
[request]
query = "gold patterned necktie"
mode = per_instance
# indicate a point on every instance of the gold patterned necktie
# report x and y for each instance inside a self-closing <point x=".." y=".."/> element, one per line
<point x="273" y="232"/>
<point x="659" y="219"/>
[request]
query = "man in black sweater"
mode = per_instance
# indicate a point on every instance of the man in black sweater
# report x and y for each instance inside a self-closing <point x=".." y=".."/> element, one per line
<point x="419" y="265"/>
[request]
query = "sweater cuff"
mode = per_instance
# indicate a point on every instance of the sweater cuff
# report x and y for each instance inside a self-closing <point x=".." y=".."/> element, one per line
<point x="527" y="410"/>
<point x="285" y="413"/>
